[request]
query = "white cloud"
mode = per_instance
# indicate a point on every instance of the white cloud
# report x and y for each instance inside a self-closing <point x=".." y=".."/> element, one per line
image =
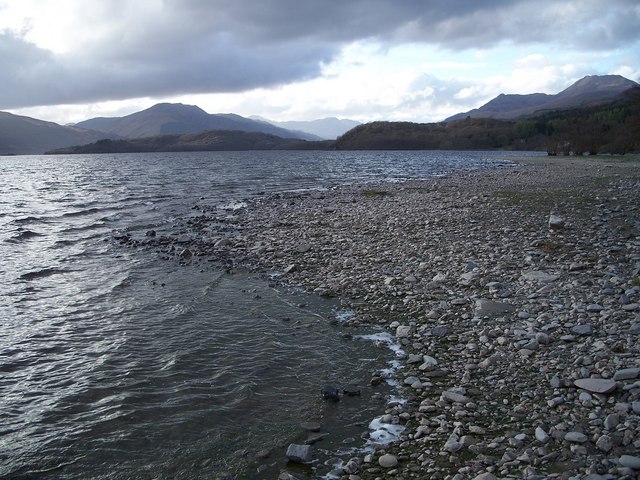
<point x="364" y="59"/>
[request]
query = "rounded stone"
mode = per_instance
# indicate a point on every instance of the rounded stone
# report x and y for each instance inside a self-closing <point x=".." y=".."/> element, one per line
<point x="575" y="437"/>
<point x="387" y="461"/>
<point x="630" y="461"/>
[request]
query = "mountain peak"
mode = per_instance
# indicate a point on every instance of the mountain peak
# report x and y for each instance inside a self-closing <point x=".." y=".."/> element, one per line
<point x="599" y="83"/>
<point x="590" y="90"/>
<point x="175" y="108"/>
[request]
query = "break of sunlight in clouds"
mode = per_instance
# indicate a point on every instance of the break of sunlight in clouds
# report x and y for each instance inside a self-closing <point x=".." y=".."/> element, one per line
<point x="293" y="59"/>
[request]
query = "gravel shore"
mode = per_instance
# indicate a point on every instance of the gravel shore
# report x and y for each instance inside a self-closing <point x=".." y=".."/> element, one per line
<point x="514" y="292"/>
<point x="516" y="295"/>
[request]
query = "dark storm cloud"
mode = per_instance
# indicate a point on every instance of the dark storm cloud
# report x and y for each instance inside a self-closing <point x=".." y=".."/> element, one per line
<point x="200" y="46"/>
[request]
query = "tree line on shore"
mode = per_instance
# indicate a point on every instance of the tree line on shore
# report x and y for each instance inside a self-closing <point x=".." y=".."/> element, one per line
<point x="611" y="128"/>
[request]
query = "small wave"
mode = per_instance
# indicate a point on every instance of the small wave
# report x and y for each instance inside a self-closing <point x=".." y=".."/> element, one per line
<point x="23" y="235"/>
<point x="29" y="219"/>
<point x="63" y="243"/>
<point x="84" y="228"/>
<point x="112" y="218"/>
<point x="45" y="272"/>
<point x="80" y="213"/>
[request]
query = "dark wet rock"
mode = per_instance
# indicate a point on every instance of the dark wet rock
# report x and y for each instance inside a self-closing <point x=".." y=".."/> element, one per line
<point x="313" y="439"/>
<point x="330" y="393"/>
<point x="351" y="390"/>
<point x="262" y="454"/>
<point x="310" y="426"/>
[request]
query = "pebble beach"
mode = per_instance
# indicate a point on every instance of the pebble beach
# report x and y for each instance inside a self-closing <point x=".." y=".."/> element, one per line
<point x="514" y="292"/>
<point x="516" y="295"/>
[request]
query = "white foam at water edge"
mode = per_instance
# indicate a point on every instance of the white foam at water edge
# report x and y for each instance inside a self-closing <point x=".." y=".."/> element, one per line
<point x="386" y="339"/>
<point x="383" y="433"/>
<point x="345" y="315"/>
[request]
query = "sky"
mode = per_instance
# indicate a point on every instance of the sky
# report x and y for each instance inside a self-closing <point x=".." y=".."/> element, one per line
<point x="365" y="60"/>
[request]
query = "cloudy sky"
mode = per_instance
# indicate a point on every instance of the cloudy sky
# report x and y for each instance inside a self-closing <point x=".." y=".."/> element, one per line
<point x="416" y="60"/>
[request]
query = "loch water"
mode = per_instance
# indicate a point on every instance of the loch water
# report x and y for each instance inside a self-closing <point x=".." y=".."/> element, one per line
<point x="119" y="363"/>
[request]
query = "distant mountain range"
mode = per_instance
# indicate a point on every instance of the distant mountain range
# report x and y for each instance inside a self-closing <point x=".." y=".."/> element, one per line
<point x="589" y="91"/>
<point x="21" y="135"/>
<point x="176" y="118"/>
<point x="599" y="102"/>
<point x="328" y="128"/>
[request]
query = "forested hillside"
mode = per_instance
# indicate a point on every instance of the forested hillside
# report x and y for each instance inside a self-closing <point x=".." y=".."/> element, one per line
<point x="610" y="128"/>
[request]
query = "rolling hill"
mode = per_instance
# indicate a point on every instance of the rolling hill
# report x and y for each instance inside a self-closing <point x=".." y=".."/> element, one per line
<point x="176" y="118"/>
<point x="212" y="140"/>
<point x="21" y="135"/>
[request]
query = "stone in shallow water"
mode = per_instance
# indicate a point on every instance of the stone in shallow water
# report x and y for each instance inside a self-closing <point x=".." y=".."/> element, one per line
<point x="310" y="426"/>
<point x="596" y="385"/>
<point x="299" y="453"/>
<point x="330" y="392"/>
<point x="351" y="391"/>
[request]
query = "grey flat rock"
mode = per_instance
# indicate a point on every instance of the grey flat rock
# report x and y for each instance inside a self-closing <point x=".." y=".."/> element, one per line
<point x="596" y="385"/>
<point x="626" y="374"/>
<point x="490" y="308"/>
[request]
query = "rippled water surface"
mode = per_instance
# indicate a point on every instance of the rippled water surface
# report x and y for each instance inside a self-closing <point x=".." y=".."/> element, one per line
<point x="116" y="363"/>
